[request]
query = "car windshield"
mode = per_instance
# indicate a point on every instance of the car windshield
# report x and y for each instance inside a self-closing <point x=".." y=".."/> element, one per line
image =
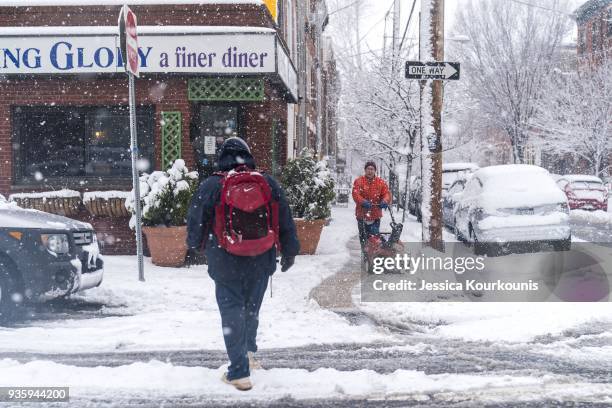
<point x="448" y="177"/>
<point x="586" y="185"/>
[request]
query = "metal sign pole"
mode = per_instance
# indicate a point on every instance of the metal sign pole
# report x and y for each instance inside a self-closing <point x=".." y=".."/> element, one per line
<point x="135" y="175"/>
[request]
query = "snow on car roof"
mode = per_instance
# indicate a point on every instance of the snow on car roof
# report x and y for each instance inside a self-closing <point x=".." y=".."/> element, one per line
<point x="30" y="3"/>
<point x="517" y="185"/>
<point x="494" y="172"/>
<point x="459" y="166"/>
<point x="142" y="30"/>
<point x="582" y="177"/>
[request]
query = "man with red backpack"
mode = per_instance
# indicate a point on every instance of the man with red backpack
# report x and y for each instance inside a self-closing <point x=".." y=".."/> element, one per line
<point x="242" y="218"/>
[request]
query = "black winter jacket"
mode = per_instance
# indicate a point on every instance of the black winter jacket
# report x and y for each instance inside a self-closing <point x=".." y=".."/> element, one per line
<point x="221" y="264"/>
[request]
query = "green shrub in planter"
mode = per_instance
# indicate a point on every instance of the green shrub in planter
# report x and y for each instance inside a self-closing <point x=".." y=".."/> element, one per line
<point x="165" y="196"/>
<point x="309" y="187"/>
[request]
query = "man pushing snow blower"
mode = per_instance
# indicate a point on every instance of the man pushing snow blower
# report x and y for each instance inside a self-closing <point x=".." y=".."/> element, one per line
<point x="371" y="195"/>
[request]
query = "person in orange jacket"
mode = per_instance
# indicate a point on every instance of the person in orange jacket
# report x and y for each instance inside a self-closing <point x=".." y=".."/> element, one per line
<point x="371" y="195"/>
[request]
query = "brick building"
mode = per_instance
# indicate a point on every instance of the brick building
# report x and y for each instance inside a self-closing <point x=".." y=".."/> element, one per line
<point x="594" y="20"/>
<point x="209" y="70"/>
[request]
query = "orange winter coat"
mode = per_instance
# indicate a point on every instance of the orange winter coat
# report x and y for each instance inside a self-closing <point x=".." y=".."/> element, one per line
<point x="373" y="191"/>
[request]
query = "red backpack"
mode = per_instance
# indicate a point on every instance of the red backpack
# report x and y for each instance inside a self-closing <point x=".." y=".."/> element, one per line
<point x="246" y="218"/>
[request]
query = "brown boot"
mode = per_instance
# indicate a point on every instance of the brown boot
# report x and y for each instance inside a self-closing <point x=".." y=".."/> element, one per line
<point x="241" y="384"/>
<point x="254" y="364"/>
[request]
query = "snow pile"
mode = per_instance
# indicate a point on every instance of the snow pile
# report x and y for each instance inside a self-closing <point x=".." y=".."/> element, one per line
<point x="104" y="195"/>
<point x="157" y="380"/>
<point x="175" y="309"/>
<point x="503" y="322"/>
<point x="591" y="217"/>
<point x="64" y="193"/>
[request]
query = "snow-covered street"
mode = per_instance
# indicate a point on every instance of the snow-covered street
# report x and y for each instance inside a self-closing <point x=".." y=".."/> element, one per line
<point x="129" y="343"/>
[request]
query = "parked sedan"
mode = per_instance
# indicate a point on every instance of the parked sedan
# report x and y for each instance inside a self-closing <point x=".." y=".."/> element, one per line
<point x="510" y="204"/>
<point x="584" y="192"/>
<point x="450" y="173"/>
<point x="449" y="200"/>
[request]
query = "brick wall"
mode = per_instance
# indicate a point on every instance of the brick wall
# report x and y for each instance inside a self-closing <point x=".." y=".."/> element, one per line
<point x="187" y="14"/>
<point x="165" y="93"/>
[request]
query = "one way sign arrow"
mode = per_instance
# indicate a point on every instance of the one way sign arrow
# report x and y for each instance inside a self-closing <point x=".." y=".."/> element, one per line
<point x="432" y="70"/>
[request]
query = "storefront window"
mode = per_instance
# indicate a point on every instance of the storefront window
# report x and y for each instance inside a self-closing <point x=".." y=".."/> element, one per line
<point x="65" y="143"/>
<point x="212" y="125"/>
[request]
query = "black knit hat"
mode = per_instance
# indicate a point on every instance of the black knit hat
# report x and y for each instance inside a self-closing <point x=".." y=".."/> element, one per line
<point x="234" y="152"/>
<point x="368" y="164"/>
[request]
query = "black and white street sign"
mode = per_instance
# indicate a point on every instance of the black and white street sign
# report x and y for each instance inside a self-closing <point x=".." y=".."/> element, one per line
<point x="432" y="70"/>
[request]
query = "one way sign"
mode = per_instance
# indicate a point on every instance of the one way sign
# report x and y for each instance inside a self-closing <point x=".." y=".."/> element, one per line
<point x="432" y="70"/>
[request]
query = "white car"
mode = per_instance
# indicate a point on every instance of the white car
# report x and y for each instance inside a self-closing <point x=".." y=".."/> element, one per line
<point x="452" y="171"/>
<point x="513" y="203"/>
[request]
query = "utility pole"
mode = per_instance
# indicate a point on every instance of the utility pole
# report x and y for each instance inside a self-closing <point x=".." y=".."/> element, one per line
<point x="432" y="48"/>
<point x="396" y="40"/>
<point x="357" y="34"/>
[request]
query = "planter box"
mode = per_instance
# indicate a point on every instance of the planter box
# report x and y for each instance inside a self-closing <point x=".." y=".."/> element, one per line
<point x="168" y="245"/>
<point x="113" y="207"/>
<point x="309" y="233"/>
<point x="68" y="206"/>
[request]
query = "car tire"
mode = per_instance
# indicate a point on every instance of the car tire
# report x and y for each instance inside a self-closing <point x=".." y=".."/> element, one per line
<point x="480" y="248"/>
<point x="9" y="307"/>
<point x="563" y="245"/>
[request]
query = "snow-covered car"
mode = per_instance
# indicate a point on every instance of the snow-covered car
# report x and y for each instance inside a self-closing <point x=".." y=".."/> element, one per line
<point x="584" y="192"/>
<point x="44" y="256"/>
<point x="451" y="197"/>
<point x="414" y="198"/>
<point x="450" y="172"/>
<point x="513" y="203"/>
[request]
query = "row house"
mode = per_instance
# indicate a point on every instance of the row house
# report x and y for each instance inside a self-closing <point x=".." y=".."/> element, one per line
<point x="210" y="69"/>
<point x="594" y="20"/>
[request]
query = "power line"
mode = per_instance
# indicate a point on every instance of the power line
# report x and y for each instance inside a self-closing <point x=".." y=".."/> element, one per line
<point x="542" y="7"/>
<point x="375" y="24"/>
<point x="407" y="24"/>
<point x="344" y="7"/>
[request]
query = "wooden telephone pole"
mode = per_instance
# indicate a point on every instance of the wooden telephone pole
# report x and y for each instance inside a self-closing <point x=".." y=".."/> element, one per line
<point x="433" y="140"/>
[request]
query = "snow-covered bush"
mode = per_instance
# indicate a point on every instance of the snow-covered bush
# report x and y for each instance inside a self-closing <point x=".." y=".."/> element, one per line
<point x="309" y="187"/>
<point x="165" y="196"/>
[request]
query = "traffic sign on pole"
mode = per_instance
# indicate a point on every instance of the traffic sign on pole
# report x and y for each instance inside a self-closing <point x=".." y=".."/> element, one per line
<point x="128" y="37"/>
<point x="129" y="48"/>
<point x="432" y="70"/>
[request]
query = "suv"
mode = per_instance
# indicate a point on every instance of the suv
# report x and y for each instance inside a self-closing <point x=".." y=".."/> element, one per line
<point x="44" y="256"/>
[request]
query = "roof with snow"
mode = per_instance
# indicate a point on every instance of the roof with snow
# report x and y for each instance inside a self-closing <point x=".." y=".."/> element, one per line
<point x="459" y="166"/>
<point x="581" y="177"/>
<point x="32" y="3"/>
<point x="590" y="8"/>
<point x="142" y="30"/>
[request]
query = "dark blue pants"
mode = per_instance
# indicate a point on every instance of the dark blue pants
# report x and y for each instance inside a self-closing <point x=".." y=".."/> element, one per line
<point x="366" y="230"/>
<point x="239" y="303"/>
